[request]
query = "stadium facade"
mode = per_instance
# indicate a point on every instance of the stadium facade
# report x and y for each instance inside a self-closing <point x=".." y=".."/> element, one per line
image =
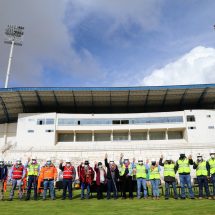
<point x="84" y="123"/>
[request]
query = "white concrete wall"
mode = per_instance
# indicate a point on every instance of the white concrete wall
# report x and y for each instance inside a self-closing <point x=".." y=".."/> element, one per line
<point x="44" y="144"/>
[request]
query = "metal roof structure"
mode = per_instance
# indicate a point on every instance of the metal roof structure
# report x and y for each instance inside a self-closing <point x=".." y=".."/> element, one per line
<point x="104" y="99"/>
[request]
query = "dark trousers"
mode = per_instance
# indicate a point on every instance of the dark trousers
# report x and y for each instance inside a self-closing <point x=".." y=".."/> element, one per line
<point x="32" y="180"/>
<point x="213" y="182"/>
<point x="127" y="182"/>
<point x="111" y="187"/>
<point x="67" y="185"/>
<point x="203" y="182"/>
<point x="100" y="190"/>
<point x="167" y="189"/>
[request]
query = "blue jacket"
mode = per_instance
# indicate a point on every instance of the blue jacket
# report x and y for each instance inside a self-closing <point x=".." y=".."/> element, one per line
<point x="3" y="172"/>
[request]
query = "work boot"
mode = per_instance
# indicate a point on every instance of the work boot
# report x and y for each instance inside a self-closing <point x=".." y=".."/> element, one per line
<point x="200" y="198"/>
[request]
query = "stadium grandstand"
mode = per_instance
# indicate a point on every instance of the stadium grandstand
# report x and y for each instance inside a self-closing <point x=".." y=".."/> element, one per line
<point x="89" y="122"/>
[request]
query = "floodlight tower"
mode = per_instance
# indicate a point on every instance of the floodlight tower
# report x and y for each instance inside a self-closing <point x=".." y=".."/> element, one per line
<point x="14" y="36"/>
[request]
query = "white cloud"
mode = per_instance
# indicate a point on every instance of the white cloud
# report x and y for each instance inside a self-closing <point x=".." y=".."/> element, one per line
<point x="195" y="67"/>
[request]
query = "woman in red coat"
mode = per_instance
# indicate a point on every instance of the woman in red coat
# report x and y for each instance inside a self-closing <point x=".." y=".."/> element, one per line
<point x="86" y="176"/>
<point x="101" y="179"/>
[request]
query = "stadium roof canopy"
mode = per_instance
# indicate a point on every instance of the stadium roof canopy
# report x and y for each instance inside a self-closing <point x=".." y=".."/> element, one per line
<point x="104" y="100"/>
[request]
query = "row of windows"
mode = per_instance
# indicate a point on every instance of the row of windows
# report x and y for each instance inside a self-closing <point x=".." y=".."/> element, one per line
<point x="147" y="120"/>
<point x="119" y="136"/>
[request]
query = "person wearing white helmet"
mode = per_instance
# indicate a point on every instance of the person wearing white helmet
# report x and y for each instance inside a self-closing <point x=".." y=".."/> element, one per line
<point x="154" y="177"/>
<point x="211" y="163"/>
<point x="140" y="170"/>
<point x="112" y="177"/>
<point x="202" y="172"/>
<point x="3" y="177"/>
<point x="49" y="176"/>
<point x="183" y="168"/>
<point x="126" y="173"/>
<point x="17" y="174"/>
<point x="69" y="174"/>
<point x="169" y="176"/>
<point x="33" y="169"/>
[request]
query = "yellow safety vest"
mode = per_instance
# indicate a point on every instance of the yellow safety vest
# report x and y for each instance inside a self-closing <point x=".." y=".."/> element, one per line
<point x="184" y="166"/>
<point x="122" y="170"/>
<point x="154" y="174"/>
<point x="140" y="171"/>
<point x="212" y="165"/>
<point x="169" y="170"/>
<point x="201" y="169"/>
<point x="33" y="169"/>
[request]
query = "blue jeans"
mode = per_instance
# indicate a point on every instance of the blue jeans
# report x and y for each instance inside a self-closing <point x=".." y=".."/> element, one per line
<point x="49" y="184"/>
<point x="15" y="183"/>
<point x="83" y="187"/>
<point x="155" y="187"/>
<point x="203" y="182"/>
<point x="167" y="188"/>
<point x="141" y="183"/>
<point x="111" y="187"/>
<point x="186" y="180"/>
<point x="32" y="180"/>
<point x="213" y="182"/>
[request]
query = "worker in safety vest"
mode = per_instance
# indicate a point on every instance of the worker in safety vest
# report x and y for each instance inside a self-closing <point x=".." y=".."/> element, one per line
<point x="169" y="176"/>
<point x="49" y="176"/>
<point x="86" y="176"/>
<point x="140" y="170"/>
<point x="155" y="178"/>
<point x="3" y="178"/>
<point x="33" y="169"/>
<point x="211" y="163"/>
<point x="202" y="172"/>
<point x="126" y="173"/>
<point x="183" y="168"/>
<point x="17" y="175"/>
<point x="69" y="174"/>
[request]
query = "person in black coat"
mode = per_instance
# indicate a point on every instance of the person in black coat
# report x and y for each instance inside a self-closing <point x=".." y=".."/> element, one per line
<point x="112" y="178"/>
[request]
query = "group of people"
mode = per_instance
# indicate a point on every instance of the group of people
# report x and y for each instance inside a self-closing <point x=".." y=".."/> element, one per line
<point x="110" y="175"/>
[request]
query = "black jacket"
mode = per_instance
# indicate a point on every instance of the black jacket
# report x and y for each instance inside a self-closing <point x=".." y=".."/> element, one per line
<point x="109" y="172"/>
<point x="3" y="172"/>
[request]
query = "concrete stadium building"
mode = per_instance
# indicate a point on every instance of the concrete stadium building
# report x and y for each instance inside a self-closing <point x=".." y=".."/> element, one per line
<point x="82" y="123"/>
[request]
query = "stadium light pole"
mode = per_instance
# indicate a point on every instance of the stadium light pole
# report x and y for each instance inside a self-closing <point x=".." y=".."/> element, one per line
<point x="14" y="36"/>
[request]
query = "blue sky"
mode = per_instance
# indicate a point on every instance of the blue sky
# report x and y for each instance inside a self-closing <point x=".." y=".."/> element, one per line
<point x="110" y="43"/>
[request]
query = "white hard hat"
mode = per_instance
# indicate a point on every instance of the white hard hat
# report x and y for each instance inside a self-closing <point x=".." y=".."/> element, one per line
<point x="48" y="159"/>
<point x="153" y="159"/>
<point x="212" y="151"/>
<point x="140" y="159"/>
<point x="34" y="158"/>
<point x="18" y="159"/>
<point x="199" y="155"/>
<point x="68" y="160"/>
<point x="1" y="160"/>
<point x="168" y="158"/>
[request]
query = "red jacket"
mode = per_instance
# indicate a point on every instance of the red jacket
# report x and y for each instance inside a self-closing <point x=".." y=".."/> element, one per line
<point x="98" y="175"/>
<point x="86" y="175"/>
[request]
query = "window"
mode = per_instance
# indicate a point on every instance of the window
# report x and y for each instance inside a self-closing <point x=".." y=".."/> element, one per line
<point x="84" y="137"/>
<point x="66" y="121"/>
<point x="120" y="136"/>
<point x="157" y="135"/>
<point x="116" y="122"/>
<point x="66" y="137"/>
<point x="124" y="121"/>
<point x="192" y="127"/>
<point x="175" y="135"/>
<point x="138" y="135"/>
<point x="49" y="130"/>
<point x="41" y="122"/>
<point x="102" y="137"/>
<point x="191" y="118"/>
<point x="49" y="121"/>
<point x="210" y="127"/>
<point x="30" y="131"/>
